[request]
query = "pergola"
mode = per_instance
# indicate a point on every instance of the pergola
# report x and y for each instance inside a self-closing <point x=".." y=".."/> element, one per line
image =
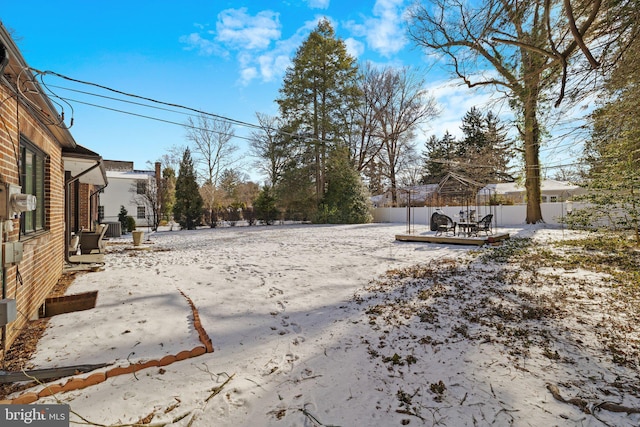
<point x="458" y="190"/>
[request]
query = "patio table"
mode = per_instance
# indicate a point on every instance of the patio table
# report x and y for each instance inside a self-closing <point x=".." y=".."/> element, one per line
<point x="467" y="228"/>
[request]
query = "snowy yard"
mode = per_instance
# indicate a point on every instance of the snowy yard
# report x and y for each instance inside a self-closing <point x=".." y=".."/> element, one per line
<point x="342" y="325"/>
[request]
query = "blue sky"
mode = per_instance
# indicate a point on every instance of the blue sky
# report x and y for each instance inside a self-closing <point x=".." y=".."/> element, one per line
<point x="223" y="57"/>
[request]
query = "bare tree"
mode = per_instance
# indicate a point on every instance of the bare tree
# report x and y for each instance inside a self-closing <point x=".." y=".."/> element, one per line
<point x="365" y="142"/>
<point x="401" y="105"/>
<point x="602" y="30"/>
<point x="145" y="194"/>
<point x="489" y="36"/>
<point x="172" y="158"/>
<point x="527" y="49"/>
<point x="214" y="151"/>
<point x="272" y="147"/>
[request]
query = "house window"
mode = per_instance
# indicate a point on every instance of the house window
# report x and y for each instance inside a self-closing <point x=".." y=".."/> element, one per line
<point x="142" y="214"/>
<point x="553" y="199"/>
<point x="141" y="187"/>
<point x="32" y="162"/>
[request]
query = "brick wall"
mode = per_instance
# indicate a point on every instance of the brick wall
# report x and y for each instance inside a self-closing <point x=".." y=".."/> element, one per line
<point x="32" y="280"/>
<point x="84" y="209"/>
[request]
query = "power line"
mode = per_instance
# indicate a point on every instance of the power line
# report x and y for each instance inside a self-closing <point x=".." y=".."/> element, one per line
<point x="170" y="104"/>
<point x="115" y="99"/>
<point x="151" y="118"/>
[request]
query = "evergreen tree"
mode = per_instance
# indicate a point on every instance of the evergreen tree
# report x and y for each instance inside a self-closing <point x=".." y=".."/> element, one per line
<point x="187" y="209"/>
<point x="474" y="130"/>
<point x="613" y="153"/>
<point x="295" y="193"/>
<point x="122" y="218"/>
<point x="264" y="206"/>
<point x="347" y="199"/>
<point x="438" y="157"/>
<point x="319" y="90"/>
<point x="483" y="154"/>
<point x="168" y="193"/>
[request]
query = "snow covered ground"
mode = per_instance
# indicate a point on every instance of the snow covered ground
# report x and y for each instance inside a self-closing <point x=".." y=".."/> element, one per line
<point x="309" y="329"/>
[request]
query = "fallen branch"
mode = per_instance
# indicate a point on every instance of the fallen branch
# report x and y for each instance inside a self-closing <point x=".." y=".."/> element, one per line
<point x="590" y="408"/>
<point x="218" y="389"/>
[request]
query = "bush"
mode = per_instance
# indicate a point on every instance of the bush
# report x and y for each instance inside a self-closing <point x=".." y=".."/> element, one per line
<point x="347" y="199"/>
<point x="131" y="223"/>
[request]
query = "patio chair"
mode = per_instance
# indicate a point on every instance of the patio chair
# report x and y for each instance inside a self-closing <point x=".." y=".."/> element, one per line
<point x="444" y="224"/>
<point x="91" y="242"/>
<point x="74" y="244"/>
<point x="484" y="225"/>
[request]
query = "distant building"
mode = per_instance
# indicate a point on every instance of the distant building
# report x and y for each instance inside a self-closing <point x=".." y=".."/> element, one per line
<point x="552" y="191"/>
<point x="416" y="195"/>
<point x="136" y="190"/>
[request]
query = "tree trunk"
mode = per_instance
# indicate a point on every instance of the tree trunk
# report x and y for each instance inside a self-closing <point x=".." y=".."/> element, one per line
<point x="532" y="144"/>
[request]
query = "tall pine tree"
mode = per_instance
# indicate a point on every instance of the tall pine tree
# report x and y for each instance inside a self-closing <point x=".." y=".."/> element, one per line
<point x="483" y="154"/>
<point x="437" y="158"/>
<point x="318" y="91"/>
<point x="187" y="209"/>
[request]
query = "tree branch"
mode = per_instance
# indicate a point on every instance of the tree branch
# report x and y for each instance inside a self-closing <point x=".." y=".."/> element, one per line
<point x="578" y="34"/>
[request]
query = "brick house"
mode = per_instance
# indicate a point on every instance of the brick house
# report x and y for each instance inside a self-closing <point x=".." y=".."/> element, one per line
<point x="33" y="139"/>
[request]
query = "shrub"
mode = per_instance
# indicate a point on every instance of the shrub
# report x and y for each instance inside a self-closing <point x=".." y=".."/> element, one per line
<point x="131" y="223"/>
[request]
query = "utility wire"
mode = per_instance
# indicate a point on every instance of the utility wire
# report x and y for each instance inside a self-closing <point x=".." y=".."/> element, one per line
<point x="118" y="99"/>
<point x="152" y="118"/>
<point x="170" y="104"/>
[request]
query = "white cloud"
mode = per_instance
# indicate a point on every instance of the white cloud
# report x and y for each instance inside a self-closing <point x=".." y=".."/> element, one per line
<point x="247" y="75"/>
<point x="273" y="63"/>
<point x="195" y="41"/>
<point x="385" y="32"/>
<point x="318" y="4"/>
<point x="354" y="47"/>
<point x="237" y="29"/>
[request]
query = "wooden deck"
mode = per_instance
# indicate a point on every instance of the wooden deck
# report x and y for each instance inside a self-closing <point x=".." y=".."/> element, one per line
<point x="453" y="240"/>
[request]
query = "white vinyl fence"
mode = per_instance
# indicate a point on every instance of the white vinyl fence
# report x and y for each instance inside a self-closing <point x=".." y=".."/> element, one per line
<point x="552" y="213"/>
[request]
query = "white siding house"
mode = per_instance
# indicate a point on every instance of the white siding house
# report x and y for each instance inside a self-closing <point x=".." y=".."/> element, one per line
<point x="552" y="191"/>
<point x="130" y="188"/>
